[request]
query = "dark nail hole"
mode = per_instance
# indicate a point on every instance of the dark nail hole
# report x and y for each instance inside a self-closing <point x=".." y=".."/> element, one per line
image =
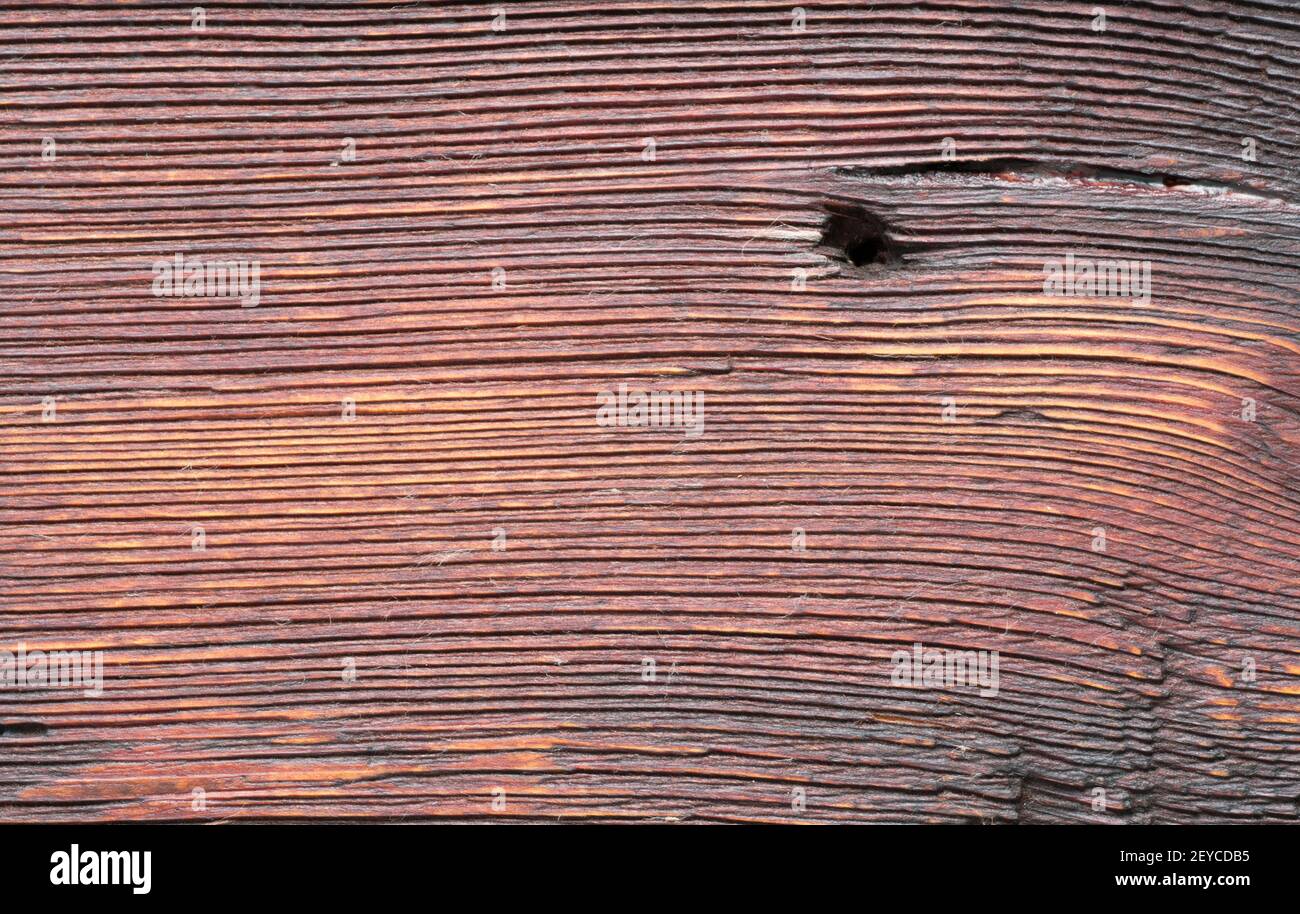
<point x="24" y="728"/>
<point x="853" y="235"/>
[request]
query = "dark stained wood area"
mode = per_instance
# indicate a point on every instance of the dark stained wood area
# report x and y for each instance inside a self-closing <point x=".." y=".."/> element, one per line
<point x="365" y="548"/>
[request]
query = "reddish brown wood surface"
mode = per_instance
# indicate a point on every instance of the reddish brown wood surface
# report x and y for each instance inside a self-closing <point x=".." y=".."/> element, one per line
<point x="511" y="683"/>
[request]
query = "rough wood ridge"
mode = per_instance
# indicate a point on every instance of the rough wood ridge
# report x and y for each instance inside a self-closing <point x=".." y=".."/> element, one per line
<point x="983" y="325"/>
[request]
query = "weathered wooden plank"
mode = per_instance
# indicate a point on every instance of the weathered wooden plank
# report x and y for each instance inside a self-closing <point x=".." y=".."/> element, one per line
<point x="907" y="436"/>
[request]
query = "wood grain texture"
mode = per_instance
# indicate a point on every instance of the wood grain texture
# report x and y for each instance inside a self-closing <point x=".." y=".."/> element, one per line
<point x="515" y="675"/>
